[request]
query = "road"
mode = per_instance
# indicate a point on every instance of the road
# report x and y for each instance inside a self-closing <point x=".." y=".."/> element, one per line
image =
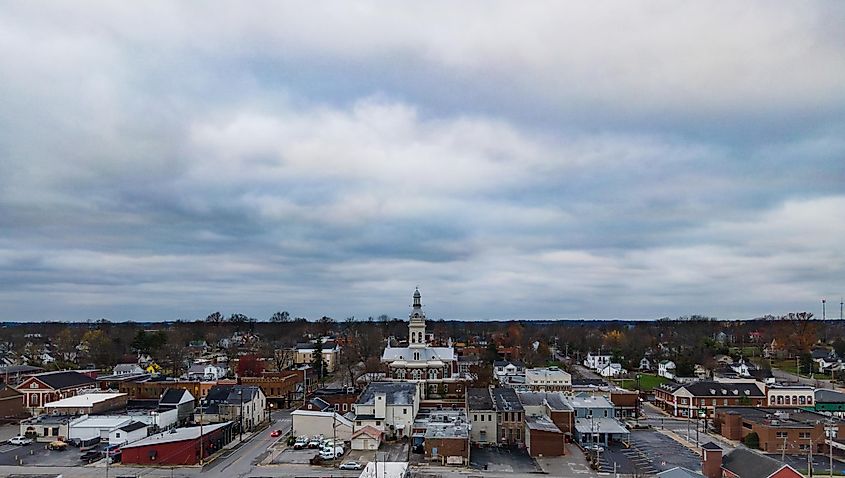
<point x="242" y="460"/>
<point x="781" y="375"/>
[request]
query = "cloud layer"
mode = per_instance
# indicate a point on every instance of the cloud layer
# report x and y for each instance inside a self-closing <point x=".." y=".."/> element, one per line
<point x="629" y="160"/>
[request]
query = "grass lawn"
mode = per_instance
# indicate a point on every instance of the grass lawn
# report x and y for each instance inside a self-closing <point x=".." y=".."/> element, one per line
<point x="647" y="382"/>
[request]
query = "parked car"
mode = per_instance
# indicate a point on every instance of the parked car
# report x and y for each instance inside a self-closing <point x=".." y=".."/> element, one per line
<point x="91" y="456"/>
<point x="57" y="445"/>
<point x="276" y="433"/>
<point x="352" y="465"/>
<point x="300" y="443"/>
<point x="112" y="450"/>
<point x="331" y="453"/>
<point x="596" y="448"/>
<point x="315" y="442"/>
<point x="20" y="440"/>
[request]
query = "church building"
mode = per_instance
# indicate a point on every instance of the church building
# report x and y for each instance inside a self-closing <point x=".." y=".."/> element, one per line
<point x="435" y="368"/>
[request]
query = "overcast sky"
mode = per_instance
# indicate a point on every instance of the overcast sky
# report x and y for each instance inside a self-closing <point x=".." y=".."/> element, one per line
<point x="513" y="159"/>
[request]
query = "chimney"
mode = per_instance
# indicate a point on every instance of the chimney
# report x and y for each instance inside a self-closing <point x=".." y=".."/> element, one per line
<point x="380" y="405"/>
<point x="711" y="466"/>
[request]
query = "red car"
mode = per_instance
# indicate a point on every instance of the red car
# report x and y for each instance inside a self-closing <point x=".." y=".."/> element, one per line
<point x="276" y="433"/>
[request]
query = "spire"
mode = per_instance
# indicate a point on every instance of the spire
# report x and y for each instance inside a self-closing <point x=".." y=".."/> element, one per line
<point x="417" y="297"/>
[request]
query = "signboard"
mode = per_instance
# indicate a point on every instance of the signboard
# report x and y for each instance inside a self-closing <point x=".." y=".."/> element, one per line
<point x="455" y="460"/>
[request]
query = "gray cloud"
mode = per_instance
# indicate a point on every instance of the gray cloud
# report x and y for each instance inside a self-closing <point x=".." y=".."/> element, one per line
<point x="631" y="160"/>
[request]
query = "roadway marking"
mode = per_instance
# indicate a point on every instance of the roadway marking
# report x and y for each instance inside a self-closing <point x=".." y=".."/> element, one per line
<point x="8" y="447"/>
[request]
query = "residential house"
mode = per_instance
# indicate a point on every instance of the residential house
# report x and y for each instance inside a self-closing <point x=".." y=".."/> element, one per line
<point x="507" y="368"/>
<point x="597" y="361"/>
<point x="666" y="369"/>
<point x="303" y="353"/>
<point x="612" y="370"/>
<point x="127" y="369"/>
<point x="208" y="372"/>
<point x="129" y="433"/>
<point x="645" y="364"/>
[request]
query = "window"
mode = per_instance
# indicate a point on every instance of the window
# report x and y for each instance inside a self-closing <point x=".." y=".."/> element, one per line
<point x="780" y="435"/>
<point x="474" y="417"/>
<point x="804" y="435"/>
<point x="404" y="411"/>
<point x="117" y="435"/>
<point x="358" y="422"/>
<point x="345" y="407"/>
<point x="378" y="423"/>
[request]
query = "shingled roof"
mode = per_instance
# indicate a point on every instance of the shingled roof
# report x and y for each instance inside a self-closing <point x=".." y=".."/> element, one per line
<point x="64" y="379"/>
<point x="745" y="463"/>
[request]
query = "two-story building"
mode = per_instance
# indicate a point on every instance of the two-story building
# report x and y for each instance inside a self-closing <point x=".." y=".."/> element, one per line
<point x="700" y="399"/>
<point x="549" y="379"/>
<point x="42" y="388"/>
<point x="597" y="361"/>
<point x="389" y="407"/>
<point x="797" y="396"/>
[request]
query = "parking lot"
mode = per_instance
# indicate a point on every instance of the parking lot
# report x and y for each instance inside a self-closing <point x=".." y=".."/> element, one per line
<point x="650" y="452"/>
<point x="37" y="454"/>
<point x="508" y="460"/>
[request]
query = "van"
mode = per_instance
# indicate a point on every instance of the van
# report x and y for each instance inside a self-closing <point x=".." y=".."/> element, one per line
<point x="330" y="453"/>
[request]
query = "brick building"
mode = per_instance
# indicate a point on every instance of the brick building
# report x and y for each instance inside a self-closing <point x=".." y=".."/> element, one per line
<point x="51" y="386"/>
<point x="446" y="436"/>
<point x="181" y="446"/>
<point x="509" y="417"/>
<point x="339" y="399"/>
<point x="702" y="398"/>
<point x="543" y="437"/>
<point x="799" y="431"/>
<point x="743" y="463"/>
<point x="11" y="403"/>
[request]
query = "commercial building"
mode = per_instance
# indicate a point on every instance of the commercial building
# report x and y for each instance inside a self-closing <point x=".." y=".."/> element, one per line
<point x="550" y="379"/>
<point x="13" y="374"/>
<point x="46" y="428"/>
<point x="830" y="401"/>
<point x="701" y="398"/>
<point x="509" y="417"/>
<point x="552" y="405"/>
<point x="284" y="389"/>
<point x="330" y="424"/>
<point x="339" y="399"/>
<point x="244" y="405"/>
<point x="181" y="446"/>
<point x="180" y="400"/>
<point x="11" y="402"/>
<point x="444" y="435"/>
<point x="780" y="430"/>
<point x="742" y="463"/>
<point x="87" y="403"/>
<point x="303" y="353"/>
<point x="797" y="396"/>
<point x="388" y="406"/>
<point x="47" y="387"/>
<point x="595" y="420"/>
<point x="482" y="416"/>
<point x="543" y="438"/>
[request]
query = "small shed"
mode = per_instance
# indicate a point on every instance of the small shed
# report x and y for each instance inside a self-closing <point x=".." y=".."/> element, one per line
<point x="367" y="438"/>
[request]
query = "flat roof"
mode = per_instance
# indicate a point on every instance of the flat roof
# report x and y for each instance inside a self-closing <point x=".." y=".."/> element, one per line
<point x="599" y="425"/>
<point x="385" y="469"/>
<point x="177" y="434"/>
<point x="84" y="400"/>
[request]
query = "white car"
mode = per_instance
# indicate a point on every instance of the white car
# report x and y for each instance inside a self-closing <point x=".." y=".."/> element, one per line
<point x="351" y="465"/>
<point x="596" y="448"/>
<point x="20" y="440"/>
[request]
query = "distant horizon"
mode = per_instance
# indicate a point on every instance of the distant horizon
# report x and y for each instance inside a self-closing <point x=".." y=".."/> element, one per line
<point x="551" y="159"/>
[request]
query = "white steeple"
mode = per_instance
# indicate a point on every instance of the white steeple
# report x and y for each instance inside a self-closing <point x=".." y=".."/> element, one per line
<point x="416" y="326"/>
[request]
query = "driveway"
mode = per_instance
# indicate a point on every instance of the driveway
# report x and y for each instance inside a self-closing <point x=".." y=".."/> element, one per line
<point x="653" y="450"/>
<point x="38" y="455"/>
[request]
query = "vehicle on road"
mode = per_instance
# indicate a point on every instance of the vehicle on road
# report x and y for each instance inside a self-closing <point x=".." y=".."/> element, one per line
<point x="57" y="445"/>
<point x="276" y="433"/>
<point x="596" y="448"/>
<point x="352" y="465"/>
<point x="20" y="440"/>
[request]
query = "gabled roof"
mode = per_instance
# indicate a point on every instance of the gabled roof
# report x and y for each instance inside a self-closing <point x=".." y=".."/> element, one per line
<point x="712" y="389"/>
<point x="370" y="431"/>
<point x="174" y="396"/>
<point x="319" y="404"/>
<point x="747" y="464"/>
<point x="64" y="379"/>
<point x="679" y="472"/>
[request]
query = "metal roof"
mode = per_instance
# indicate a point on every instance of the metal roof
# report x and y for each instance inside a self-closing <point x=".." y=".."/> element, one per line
<point x="176" y="435"/>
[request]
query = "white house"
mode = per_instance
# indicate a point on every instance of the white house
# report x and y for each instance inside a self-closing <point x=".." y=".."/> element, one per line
<point x="666" y="369"/>
<point x="129" y="433"/>
<point x="127" y="369"/>
<point x="506" y="368"/>
<point x="388" y="406"/>
<point x="645" y="364"/>
<point x="612" y="370"/>
<point x="597" y="361"/>
<point x="207" y="372"/>
<point x="330" y="424"/>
